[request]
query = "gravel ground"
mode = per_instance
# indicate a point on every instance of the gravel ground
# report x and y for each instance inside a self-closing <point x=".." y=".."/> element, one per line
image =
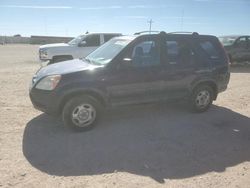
<point x="141" y="146"/>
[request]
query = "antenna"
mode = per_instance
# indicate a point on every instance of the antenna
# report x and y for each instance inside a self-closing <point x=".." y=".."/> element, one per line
<point x="150" y="25"/>
<point x="182" y="15"/>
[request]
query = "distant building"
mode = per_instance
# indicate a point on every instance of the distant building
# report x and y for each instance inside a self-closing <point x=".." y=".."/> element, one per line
<point x="48" y="39"/>
<point x="18" y="39"/>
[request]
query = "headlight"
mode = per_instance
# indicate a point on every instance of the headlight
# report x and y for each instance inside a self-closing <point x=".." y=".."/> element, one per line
<point x="49" y="82"/>
<point x="43" y="54"/>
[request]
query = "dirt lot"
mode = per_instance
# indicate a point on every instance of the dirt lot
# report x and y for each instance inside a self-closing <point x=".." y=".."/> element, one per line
<point x="140" y="146"/>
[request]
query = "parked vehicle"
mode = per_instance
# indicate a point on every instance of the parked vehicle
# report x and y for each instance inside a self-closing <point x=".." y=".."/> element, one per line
<point x="79" y="47"/>
<point x="237" y="47"/>
<point x="133" y="70"/>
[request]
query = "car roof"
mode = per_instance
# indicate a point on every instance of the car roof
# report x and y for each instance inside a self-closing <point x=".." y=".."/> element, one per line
<point x="233" y="36"/>
<point x="104" y="33"/>
<point x="184" y="35"/>
<point x="229" y="36"/>
<point x="126" y="37"/>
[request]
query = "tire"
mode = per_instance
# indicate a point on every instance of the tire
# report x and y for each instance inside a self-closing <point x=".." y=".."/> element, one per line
<point x="81" y="113"/>
<point x="201" y="98"/>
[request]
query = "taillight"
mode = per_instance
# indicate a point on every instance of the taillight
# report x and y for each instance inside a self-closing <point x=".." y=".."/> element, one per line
<point x="226" y="55"/>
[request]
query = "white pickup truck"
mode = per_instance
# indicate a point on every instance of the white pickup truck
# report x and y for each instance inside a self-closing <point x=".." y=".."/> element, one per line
<point x="79" y="47"/>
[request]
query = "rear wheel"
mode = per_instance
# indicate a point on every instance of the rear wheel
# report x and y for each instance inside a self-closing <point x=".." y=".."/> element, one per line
<point x="202" y="98"/>
<point x="81" y="113"/>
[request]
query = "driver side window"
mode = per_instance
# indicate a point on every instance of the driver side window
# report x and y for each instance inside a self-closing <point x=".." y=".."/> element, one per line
<point x="145" y="54"/>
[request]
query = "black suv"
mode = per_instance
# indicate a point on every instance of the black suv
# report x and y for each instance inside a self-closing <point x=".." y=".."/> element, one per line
<point x="133" y="70"/>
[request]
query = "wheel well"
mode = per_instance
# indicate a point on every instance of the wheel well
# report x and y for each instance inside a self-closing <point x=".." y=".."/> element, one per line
<point x="93" y="94"/>
<point x="211" y="84"/>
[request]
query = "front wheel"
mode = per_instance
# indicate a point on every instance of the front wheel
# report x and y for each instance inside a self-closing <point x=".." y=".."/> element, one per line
<point x="201" y="98"/>
<point x="81" y="113"/>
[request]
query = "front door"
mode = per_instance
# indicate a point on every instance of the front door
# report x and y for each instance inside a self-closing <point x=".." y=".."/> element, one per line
<point x="136" y="80"/>
<point x="240" y="50"/>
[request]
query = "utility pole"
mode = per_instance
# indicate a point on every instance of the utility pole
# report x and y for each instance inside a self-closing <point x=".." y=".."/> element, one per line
<point x="150" y="25"/>
<point x="45" y="26"/>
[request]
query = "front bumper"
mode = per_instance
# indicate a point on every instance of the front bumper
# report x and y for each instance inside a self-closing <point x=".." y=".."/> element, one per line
<point x="45" y="101"/>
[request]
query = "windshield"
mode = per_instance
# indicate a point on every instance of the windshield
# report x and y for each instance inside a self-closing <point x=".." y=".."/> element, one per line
<point x="227" y="41"/>
<point x="104" y="54"/>
<point x="76" y="40"/>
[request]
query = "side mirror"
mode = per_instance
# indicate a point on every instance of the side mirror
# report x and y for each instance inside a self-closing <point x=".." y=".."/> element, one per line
<point x="82" y="43"/>
<point x="127" y="60"/>
<point x="125" y="64"/>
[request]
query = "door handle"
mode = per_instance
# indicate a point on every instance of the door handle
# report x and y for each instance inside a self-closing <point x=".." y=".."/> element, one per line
<point x="172" y="63"/>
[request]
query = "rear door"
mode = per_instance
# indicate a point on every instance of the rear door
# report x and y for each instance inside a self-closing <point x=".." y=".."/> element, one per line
<point x="179" y="66"/>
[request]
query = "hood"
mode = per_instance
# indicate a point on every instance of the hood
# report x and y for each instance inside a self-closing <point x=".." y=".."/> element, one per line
<point x="54" y="45"/>
<point x="64" y="67"/>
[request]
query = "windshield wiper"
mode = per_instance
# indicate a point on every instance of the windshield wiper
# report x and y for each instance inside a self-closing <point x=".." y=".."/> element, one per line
<point x="89" y="61"/>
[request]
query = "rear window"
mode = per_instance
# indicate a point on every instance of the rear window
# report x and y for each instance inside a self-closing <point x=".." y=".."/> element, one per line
<point x="108" y="37"/>
<point x="210" y="49"/>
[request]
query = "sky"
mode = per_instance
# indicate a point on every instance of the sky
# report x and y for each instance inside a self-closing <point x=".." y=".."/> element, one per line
<point x="75" y="17"/>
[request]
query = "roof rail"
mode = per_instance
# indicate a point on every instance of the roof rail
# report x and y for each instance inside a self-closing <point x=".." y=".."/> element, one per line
<point x="184" y="32"/>
<point x="141" y="32"/>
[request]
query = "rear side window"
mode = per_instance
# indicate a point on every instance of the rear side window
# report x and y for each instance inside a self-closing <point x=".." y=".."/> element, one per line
<point x="172" y="51"/>
<point x="179" y="52"/>
<point x="210" y="49"/>
<point x="172" y="47"/>
<point x="93" y="40"/>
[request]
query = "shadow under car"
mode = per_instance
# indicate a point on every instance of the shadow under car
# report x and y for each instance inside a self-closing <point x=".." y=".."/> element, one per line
<point x="158" y="141"/>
